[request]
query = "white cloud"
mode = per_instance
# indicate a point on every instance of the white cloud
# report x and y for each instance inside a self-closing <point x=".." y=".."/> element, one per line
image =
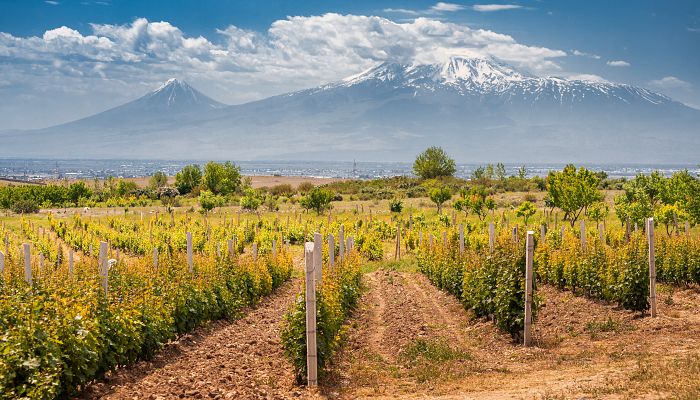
<point x="588" y="78"/>
<point x="52" y="2"/>
<point x="495" y="7"/>
<point x="584" y="54"/>
<point x="446" y="7"/>
<point x="240" y="65"/>
<point x="618" y="63"/>
<point x="671" y="82"/>
<point x="401" y="11"/>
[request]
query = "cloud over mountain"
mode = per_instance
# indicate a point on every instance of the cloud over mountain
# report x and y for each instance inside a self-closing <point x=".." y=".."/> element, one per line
<point x="241" y="64"/>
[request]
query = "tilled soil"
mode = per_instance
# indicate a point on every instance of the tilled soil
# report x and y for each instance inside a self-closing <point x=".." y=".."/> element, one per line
<point x="583" y="348"/>
<point x="242" y="359"/>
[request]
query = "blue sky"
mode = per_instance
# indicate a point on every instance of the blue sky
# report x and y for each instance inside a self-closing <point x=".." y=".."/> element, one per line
<point x="61" y="60"/>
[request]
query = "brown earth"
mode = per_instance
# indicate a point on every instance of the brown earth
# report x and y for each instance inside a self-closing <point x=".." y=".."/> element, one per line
<point x="242" y="359"/>
<point x="410" y="340"/>
<point x="583" y="348"/>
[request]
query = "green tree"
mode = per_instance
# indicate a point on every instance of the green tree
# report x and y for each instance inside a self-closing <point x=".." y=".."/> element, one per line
<point x="223" y="179"/>
<point x="158" y="180"/>
<point x="490" y="204"/>
<point x="573" y="191"/>
<point x="433" y="163"/>
<point x="669" y="215"/>
<point x="597" y="211"/>
<point x="209" y="201"/>
<point x="525" y="211"/>
<point x="124" y="188"/>
<point x="500" y="171"/>
<point x="439" y="196"/>
<point x="317" y="199"/>
<point x="522" y="172"/>
<point x="251" y="201"/>
<point x="188" y="179"/>
<point x="77" y="191"/>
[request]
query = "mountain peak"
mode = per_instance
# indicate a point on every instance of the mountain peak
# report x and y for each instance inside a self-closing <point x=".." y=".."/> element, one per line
<point x="454" y="71"/>
<point x="178" y="95"/>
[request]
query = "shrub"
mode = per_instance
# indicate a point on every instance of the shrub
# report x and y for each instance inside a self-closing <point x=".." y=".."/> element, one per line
<point x="25" y="207"/>
<point x="336" y="298"/>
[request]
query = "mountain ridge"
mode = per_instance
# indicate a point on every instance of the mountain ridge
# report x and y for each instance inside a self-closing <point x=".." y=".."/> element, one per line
<point x="392" y="111"/>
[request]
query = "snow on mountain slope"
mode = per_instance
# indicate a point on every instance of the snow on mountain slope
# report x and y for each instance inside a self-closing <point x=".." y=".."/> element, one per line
<point x="480" y="109"/>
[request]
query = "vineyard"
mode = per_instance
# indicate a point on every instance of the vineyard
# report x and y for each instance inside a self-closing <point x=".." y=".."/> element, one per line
<point x="412" y="298"/>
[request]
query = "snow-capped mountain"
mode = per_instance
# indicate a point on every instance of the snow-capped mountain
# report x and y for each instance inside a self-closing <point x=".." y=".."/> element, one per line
<point x="479" y="109"/>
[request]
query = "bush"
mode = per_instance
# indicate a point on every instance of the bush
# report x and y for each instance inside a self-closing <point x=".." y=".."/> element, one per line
<point x="57" y="337"/>
<point x="336" y="298"/>
<point x="25" y="207"/>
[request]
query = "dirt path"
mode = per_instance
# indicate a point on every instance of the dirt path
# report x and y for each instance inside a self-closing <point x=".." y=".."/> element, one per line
<point x="410" y="340"/>
<point x="242" y="359"/>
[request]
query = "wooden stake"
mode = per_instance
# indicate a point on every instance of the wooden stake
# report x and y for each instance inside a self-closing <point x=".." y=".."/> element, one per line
<point x="27" y="263"/>
<point x="398" y="241"/>
<point x="652" y="266"/>
<point x="341" y="242"/>
<point x="155" y="259"/>
<point x="444" y="239"/>
<point x="2" y="264"/>
<point x="529" y="254"/>
<point x="274" y="248"/>
<point x="492" y="236"/>
<point x="311" y="358"/>
<point x="687" y="228"/>
<point x="461" y="239"/>
<point x="543" y="233"/>
<point x="601" y="233"/>
<point x="71" y="263"/>
<point x="331" y="250"/>
<point x="190" y="262"/>
<point x="104" y="267"/>
<point x="318" y="257"/>
<point x="255" y="252"/>
<point x="583" y="235"/>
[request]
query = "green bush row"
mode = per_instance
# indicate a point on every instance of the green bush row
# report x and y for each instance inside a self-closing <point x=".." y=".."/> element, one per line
<point x="490" y="284"/>
<point x="336" y="298"/>
<point x="63" y="333"/>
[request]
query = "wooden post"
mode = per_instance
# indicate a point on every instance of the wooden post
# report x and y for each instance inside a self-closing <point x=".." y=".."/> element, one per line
<point x="675" y="224"/>
<point x="492" y="236"/>
<point x="348" y="244"/>
<point x="444" y="239"/>
<point x="601" y="233"/>
<point x="27" y="263"/>
<point x="454" y="217"/>
<point x="155" y="259"/>
<point x="397" y="252"/>
<point x="274" y="248"/>
<point x="420" y="239"/>
<point x="104" y="267"/>
<point x="190" y="262"/>
<point x="543" y="233"/>
<point x="529" y="254"/>
<point x="331" y="250"/>
<point x="318" y="258"/>
<point x="71" y="263"/>
<point x="461" y="239"/>
<point x="218" y="250"/>
<point x="255" y="252"/>
<point x="341" y="242"/>
<point x="2" y="264"/>
<point x="652" y="266"/>
<point x="431" y="240"/>
<point x="687" y="228"/>
<point x="311" y="358"/>
<point x="583" y="235"/>
<point x="229" y="244"/>
<point x="627" y="230"/>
